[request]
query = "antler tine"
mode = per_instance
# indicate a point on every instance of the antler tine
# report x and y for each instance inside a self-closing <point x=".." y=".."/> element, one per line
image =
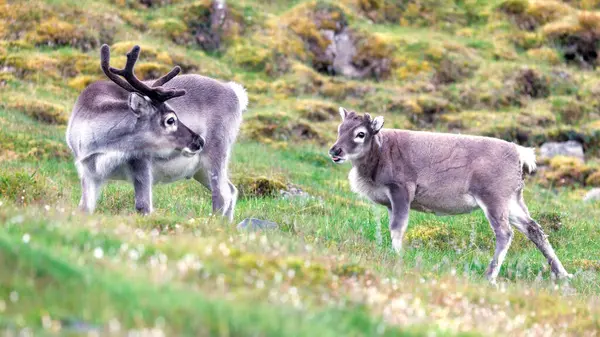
<point x="168" y="94"/>
<point x="129" y="75"/>
<point x="105" y="64"/>
<point x="157" y="93"/>
<point x="166" y="78"/>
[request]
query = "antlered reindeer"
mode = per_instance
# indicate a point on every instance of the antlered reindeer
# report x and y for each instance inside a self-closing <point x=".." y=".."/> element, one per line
<point x="444" y="174"/>
<point x="124" y="129"/>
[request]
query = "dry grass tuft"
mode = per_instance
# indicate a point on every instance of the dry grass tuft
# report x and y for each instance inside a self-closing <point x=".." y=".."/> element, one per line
<point x="566" y="171"/>
<point x="545" y="54"/>
<point x="316" y="110"/>
<point x="531" y="15"/>
<point x="593" y="179"/>
<point x="40" y="110"/>
<point x="81" y="82"/>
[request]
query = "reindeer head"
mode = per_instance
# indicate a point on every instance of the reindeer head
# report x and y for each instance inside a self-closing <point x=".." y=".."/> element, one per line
<point x="355" y="135"/>
<point x="158" y="127"/>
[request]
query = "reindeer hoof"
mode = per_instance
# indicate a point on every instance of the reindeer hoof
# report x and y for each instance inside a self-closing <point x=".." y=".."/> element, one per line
<point x="566" y="276"/>
<point x="396" y="242"/>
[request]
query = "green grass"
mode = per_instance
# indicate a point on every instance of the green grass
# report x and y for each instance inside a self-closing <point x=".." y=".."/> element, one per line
<point x="57" y="273"/>
<point x="329" y="269"/>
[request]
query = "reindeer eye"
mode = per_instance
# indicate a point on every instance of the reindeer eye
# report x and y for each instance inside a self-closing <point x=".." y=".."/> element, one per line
<point x="171" y="120"/>
<point x="361" y="135"/>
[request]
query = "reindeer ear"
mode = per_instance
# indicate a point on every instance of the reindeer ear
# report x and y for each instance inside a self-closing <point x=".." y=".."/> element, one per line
<point x="343" y="113"/>
<point x="377" y="124"/>
<point x="140" y="106"/>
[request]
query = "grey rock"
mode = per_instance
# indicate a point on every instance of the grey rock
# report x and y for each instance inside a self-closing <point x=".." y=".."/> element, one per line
<point x="569" y="148"/>
<point x="339" y="55"/>
<point x="256" y="224"/>
<point x="293" y="192"/>
<point x="592" y="195"/>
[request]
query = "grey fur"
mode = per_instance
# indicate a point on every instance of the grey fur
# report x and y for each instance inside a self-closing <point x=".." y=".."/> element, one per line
<point x="443" y="174"/>
<point x="110" y="142"/>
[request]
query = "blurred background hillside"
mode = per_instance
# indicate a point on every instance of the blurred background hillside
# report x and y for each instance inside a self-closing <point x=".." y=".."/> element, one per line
<point x="519" y="70"/>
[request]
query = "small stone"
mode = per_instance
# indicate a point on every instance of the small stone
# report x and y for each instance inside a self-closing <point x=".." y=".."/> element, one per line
<point x="569" y="148"/>
<point x="592" y="195"/>
<point x="256" y="224"/>
<point x="293" y="191"/>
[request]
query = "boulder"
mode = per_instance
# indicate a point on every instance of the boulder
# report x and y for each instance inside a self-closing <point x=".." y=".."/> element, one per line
<point x="569" y="148"/>
<point x="212" y="22"/>
<point x="337" y="49"/>
<point x="592" y="195"/>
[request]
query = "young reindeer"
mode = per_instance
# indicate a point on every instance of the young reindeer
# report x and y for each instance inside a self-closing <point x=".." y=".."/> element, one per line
<point x="124" y="129"/>
<point x="444" y="174"/>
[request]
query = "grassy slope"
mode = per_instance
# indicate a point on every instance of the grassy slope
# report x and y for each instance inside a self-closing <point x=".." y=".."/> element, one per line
<point x="329" y="270"/>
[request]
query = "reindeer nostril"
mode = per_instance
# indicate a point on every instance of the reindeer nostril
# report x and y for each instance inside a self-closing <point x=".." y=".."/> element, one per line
<point x="198" y="142"/>
<point x="335" y="152"/>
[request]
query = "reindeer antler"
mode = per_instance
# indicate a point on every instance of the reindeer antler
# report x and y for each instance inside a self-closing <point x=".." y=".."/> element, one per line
<point x="105" y="63"/>
<point x="166" y="78"/>
<point x="132" y="83"/>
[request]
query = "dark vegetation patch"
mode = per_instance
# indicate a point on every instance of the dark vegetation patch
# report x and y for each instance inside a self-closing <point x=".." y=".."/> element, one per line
<point x="259" y="187"/>
<point x="453" y="63"/>
<point x="430" y="235"/>
<point x="551" y="220"/>
<point x="577" y="39"/>
<point x="528" y="82"/>
<point x="152" y="3"/>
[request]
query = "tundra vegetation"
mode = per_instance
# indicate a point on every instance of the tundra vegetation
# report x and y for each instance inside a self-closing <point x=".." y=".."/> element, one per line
<point x="519" y="70"/>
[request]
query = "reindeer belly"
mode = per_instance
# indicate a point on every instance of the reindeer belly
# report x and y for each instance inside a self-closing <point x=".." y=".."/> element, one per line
<point x="444" y="203"/>
<point x="180" y="167"/>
